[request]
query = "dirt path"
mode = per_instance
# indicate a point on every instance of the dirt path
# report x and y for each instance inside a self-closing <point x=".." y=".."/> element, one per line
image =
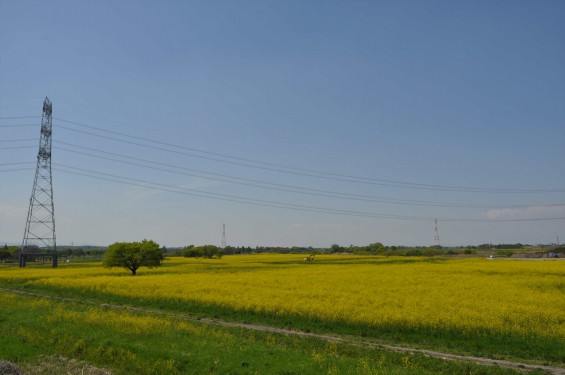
<point x="334" y="338"/>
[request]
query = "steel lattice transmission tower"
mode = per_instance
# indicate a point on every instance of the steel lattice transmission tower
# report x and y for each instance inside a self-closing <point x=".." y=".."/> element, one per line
<point x="436" y="237"/>
<point x="40" y="225"/>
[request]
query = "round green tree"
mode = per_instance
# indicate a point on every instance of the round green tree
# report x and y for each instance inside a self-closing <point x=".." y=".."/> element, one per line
<point x="132" y="255"/>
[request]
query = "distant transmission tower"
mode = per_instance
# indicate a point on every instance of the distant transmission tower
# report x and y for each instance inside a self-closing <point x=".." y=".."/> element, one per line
<point x="224" y="237"/>
<point x="40" y="224"/>
<point x="436" y="237"/>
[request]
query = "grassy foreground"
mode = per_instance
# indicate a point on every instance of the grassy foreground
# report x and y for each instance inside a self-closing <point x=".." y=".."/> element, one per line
<point x="128" y="342"/>
<point x="498" y="309"/>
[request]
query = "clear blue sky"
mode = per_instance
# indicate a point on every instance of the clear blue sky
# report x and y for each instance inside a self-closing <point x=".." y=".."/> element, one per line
<point x="361" y="121"/>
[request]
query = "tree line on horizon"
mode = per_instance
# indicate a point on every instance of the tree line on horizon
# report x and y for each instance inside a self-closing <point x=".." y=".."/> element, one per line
<point x="212" y="251"/>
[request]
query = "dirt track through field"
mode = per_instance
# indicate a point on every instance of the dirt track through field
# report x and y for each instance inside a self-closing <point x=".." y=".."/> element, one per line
<point x="333" y="338"/>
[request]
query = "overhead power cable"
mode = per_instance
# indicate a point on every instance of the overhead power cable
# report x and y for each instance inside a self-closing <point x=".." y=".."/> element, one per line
<point x="19" y="117"/>
<point x="16" y="147"/>
<point x="224" y="197"/>
<point x="18" y="140"/>
<point x="244" y="200"/>
<point x="16" y="163"/>
<point x="289" y="169"/>
<point x="16" y="169"/>
<point x="143" y="163"/>
<point x="17" y="125"/>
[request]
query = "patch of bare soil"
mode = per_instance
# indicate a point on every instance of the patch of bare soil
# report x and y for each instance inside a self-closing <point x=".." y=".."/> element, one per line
<point x="9" y="368"/>
<point x="57" y="365"/>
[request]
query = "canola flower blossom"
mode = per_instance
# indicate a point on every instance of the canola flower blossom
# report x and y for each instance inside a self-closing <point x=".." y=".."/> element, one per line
<point x="506" y="296"/>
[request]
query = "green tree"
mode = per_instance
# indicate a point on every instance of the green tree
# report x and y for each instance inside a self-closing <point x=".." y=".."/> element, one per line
<point x="191" y="252"/>
<point x="206" y="251"/>
<point x="4" y="254"/>
<point x="335" y="248"/>
<point x="66" y="252"/>
<point x="375" y="248"/>
<point x="210" y="251"/>
<point x="132" y="255"/>
<point x="229" y="250"/>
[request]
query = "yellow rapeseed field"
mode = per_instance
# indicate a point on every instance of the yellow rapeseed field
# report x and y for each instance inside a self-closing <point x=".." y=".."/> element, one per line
<point x="502" y="295"/>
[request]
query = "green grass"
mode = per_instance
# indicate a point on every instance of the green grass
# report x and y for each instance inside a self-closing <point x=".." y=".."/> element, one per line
<point x="32" y="327"/>
<point x="477" y="343"/>
<point x="29" y="330"/>
<point x="529" y="348"/>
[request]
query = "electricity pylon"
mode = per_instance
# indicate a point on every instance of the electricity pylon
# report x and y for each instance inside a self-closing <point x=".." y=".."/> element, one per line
<point x="436" y="237"/>
<point x="40" y="224"/>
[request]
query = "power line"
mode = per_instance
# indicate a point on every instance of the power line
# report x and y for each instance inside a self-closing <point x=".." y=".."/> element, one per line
<point x="274" y="186"/>
<point x="16" y="147"/>
<point x="225" y="197"/>
<point x="16" y="126"/>
<point x="259" y="202"/>
<point x="2" y="165"/>
<point x="16" y="163"/>
<point x="18" y="140"/>
<point x="16" y="170"/>
<point x="294" y="170"/>
<point x="19" y="117"/>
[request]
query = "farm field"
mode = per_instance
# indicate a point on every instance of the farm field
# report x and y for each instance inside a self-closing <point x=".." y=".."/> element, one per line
<point x="501" y="309"/>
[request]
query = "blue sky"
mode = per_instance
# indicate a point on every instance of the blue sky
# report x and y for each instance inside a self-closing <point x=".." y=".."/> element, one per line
<point x="294" y="123"/>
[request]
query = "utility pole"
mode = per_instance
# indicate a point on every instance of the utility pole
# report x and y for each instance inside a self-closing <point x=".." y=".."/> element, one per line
<point x="40" y="224"/>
